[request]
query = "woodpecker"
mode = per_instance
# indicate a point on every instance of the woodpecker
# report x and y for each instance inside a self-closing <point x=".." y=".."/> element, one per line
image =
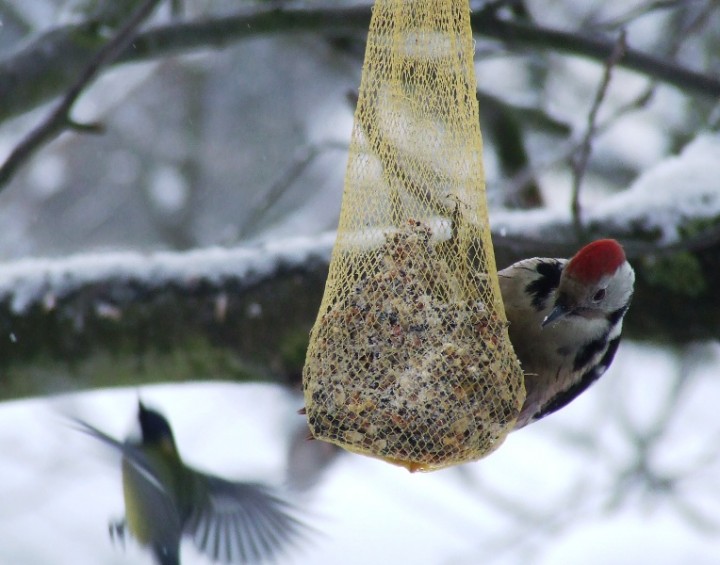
<point x="565" y="321"/>
<point x="165" y="499"/>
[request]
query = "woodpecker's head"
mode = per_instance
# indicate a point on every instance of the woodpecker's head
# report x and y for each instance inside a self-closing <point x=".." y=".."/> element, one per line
<point x="596" y="283"/>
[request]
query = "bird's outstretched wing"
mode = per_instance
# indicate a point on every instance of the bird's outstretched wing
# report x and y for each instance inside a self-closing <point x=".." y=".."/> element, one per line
<point x="131" y="453"/>
<point x="235" y="522"/>
<point x="83" y="426"/>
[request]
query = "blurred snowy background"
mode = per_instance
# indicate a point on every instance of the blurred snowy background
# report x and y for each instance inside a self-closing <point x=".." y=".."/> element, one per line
<point x="244" y="145"/>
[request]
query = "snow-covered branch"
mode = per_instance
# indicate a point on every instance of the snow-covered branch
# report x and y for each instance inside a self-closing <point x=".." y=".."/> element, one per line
<point x="672" y="207"/>
<point x="163" y="316"/>
<point x="257" y="304"/>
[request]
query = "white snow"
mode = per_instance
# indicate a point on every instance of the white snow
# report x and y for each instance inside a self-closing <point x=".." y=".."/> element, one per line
<point x="544" y="498"/>
<point x="509" y="223"/>
<point x="29" y="280"/>
<point x="667" y="197"/>
<point x="677" y="190"/>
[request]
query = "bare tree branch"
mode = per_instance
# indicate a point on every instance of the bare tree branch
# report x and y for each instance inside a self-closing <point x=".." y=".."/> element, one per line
<point x="568" y="149"/>
<point x="59" y="119"/>
<point x="638" y="11"/>
<point x="217" y="33"/>
<point x="580" y="159"/>
<point x="51" y="55"/>
<point x="597" y="49"/>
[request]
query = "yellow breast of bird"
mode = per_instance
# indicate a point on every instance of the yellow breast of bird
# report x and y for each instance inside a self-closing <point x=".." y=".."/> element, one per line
<point x="151" y="505"/>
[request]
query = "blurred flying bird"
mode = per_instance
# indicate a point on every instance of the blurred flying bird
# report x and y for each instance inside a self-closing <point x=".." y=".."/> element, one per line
<point x="165" y="499"/>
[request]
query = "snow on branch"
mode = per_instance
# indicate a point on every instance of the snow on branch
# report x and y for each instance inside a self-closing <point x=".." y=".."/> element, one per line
<point x="102" y="319"/>
<point x="126" y="276"/>
<point x="672" y="206"/>
<point x="257" y="303"/>
<point x="675" y="199"/>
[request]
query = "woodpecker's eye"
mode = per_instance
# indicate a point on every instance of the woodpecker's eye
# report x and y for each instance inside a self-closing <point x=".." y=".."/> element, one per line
<point x="599" y="295"/>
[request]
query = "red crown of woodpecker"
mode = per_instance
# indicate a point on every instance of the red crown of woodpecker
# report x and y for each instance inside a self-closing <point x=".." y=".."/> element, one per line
<point x="596" y="260"/>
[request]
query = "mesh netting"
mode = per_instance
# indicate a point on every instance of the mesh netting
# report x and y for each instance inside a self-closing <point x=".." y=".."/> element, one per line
<point x="409" y="359"/>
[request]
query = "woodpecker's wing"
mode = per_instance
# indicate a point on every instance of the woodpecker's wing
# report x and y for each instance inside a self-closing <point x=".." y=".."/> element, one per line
<point x="235" y="522"/>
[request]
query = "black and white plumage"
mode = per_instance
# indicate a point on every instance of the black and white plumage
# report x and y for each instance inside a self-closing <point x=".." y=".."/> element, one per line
<point x="166" y="500"/>
<point x="565" y="321"/>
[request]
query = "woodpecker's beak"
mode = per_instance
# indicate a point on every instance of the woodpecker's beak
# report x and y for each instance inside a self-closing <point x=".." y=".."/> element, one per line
<point x="557" y="313"/>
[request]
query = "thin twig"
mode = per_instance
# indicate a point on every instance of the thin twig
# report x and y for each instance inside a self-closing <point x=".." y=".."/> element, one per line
<point x="59" y="119"/>
<point x="565" y="151"/>
<point x="639" y="102"/>
<point x="300" y="163"/>
<point x="579" y="163"/>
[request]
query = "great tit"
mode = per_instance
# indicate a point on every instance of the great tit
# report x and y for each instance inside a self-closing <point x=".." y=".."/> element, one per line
<point x="165" y="499"/>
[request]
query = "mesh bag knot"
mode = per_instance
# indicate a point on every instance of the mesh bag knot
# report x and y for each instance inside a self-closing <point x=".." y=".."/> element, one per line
<point x="409" y="358"/>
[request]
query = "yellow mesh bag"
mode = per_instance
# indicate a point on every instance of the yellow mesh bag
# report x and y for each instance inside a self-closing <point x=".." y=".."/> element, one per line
<point x="409" y="359"/>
